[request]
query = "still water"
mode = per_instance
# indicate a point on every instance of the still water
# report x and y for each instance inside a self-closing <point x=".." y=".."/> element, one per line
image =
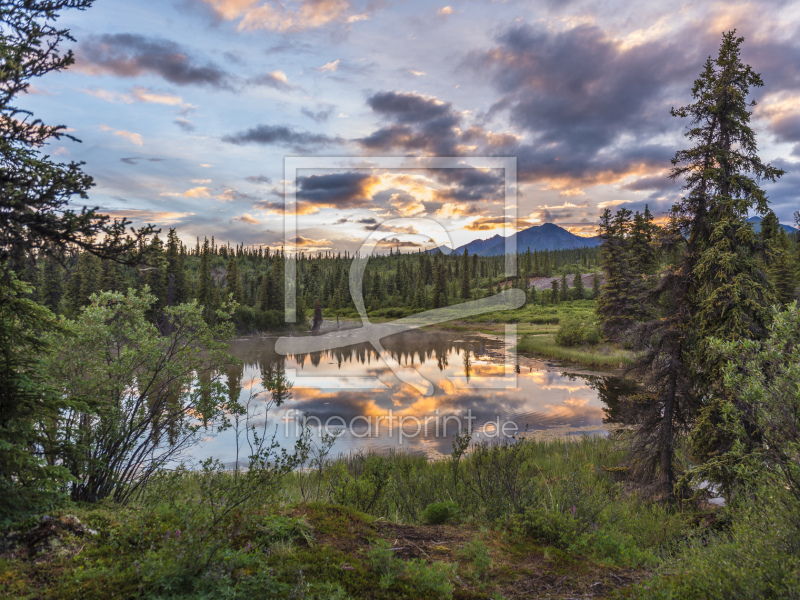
<point x="478" y="380"/>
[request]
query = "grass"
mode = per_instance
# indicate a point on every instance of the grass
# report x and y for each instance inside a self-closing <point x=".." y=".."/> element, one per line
<point x="601" y="356"/>
<point x="511" y="521"/>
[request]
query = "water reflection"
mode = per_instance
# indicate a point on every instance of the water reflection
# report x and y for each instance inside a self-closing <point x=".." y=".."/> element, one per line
<point x="385" y="412"/>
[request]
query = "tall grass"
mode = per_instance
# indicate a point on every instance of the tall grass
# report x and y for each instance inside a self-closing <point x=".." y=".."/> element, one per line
<point x="602" y="355"/>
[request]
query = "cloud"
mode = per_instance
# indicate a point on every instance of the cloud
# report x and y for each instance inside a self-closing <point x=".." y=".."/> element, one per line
<point x="134" y="160"/>
<point x="197" y="192"/>
<point x="246" y="218"/>
<point x="319" y="116"/>
<point x="426" y="125"/>
<point x="301" y="241"/>
<point x="253" y="15"/>
<point x="330" y="66"/>
<point x="273" y="79"/>
<point x="445" y="11"/>
<point x="134" y="138"/>
<point x="185" y="124"/>
<point x="490" y="223"/>
<point x="337" y="190"/>
<point x="279" y="135"/>
<point x="578" y="92"/>
<point x="132" y="55"/>
<point x="259" y="179"/>
<point x="149" y="216"/>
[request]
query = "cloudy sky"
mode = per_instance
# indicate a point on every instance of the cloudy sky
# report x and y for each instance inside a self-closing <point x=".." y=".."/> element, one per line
<point x="187" y="108"/>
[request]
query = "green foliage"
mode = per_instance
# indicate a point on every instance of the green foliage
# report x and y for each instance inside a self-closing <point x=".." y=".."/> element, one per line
<point x="138" y="389"/>
<point x="382" y="558"/>
<point x="753" y="424"/>
<point x="476" y="553"/>
<point x="757" y="557"/>
<point x="572" y="332"/>
<point x="30" y="477"/>
<point x="37" y="193"/>
<point x="441" y="513"/>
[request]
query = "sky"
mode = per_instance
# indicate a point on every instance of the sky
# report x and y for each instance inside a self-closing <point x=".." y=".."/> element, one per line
<point x="186" y="110"/>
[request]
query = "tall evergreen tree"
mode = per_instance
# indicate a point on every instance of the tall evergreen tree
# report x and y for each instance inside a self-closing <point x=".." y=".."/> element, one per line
<point x="778" y="259"/>
<point x="177" y="292"/>
<point x="577" y="283"/>
<point x="716" y="289"/>
<point x="439" y="285"/>
<point x="234" y="280"/>
<point x="617" y="304"/>
<point x="465" y="275"/>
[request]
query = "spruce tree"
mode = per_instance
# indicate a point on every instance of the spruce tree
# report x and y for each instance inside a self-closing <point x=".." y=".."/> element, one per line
<point x="615" y="305"/>
<point x="577" y="283"/>
<point x="156" y="275"/>
<point x="234" y="280"/>
<point x="465" y="272"/>
<point x="439" y="285"/>
<point x="177" y="292"/>
<point x="778" y="259"/>
<point x="715" y="288"/>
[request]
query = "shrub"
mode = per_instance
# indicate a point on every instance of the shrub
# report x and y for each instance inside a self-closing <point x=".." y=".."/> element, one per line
<point x="439" y="513"/>
<point x="433" y="579"/>
<point x="477" y="553"/>
<point x="573" y="332"/>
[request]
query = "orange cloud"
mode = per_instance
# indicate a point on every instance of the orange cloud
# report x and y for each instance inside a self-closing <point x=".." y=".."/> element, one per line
<point x="134" y="138"/>
<point x="252" y="15"/>
<point x="246" y="218"/>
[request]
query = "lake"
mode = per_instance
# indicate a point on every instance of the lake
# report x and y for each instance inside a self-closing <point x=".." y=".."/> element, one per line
<point x="476" y="379"/>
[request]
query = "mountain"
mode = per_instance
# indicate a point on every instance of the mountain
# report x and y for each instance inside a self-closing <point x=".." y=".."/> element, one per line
<point x="756" y="223"/>
<point x="547" y="236"/>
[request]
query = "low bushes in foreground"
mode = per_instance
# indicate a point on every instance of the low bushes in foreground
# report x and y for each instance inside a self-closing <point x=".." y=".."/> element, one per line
<point x="491" y="521"/>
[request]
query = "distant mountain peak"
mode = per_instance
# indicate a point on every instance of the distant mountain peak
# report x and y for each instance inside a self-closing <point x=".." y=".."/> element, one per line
<point x="756" y="223"/>
<point x="547" y="236"/>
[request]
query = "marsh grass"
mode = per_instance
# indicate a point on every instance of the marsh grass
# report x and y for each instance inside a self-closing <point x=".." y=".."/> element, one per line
<point x="605" y="356"/>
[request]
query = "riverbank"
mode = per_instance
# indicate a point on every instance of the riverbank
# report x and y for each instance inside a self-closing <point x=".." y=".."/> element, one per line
<point x="601" y="356"/>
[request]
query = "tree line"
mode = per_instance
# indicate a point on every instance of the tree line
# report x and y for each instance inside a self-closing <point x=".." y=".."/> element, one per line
<point x="255" y="278"/>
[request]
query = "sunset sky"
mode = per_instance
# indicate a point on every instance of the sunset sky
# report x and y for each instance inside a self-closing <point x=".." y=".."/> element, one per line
<point x="187" y="108"/>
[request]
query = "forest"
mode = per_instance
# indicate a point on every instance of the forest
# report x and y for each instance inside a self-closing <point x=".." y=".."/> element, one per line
<point x="114" y="350"/>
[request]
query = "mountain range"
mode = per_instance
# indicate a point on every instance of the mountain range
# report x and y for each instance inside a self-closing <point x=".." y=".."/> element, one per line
<point x="547" y="236"/>
<point x="756" y="223"/>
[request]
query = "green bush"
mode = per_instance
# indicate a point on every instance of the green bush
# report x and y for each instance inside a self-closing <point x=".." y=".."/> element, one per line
<point x="382" y="559"/>
<point x="439" y="513"/>
<point x="551" y="528"/>
<point x="477" y="554"/>
<point x="574" y="332"/>
<point x="430" y="580"/>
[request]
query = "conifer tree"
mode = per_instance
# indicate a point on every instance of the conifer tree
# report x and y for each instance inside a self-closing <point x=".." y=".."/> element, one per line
<point x="439" y="285"/>
<point x="716" y="288"/>
<point x="778" y="259"/>
<point x="234" y="280"/>
<point x="554" y="292"/>
<point x="205" y="285"/>
<point x="577" y="283"/>
<point x="156" y="275"/>
<point x="177" y="292"/>
<point x="465" y="275"/>
<point x="617" y="304"/>
<point x="564" y="288"/>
